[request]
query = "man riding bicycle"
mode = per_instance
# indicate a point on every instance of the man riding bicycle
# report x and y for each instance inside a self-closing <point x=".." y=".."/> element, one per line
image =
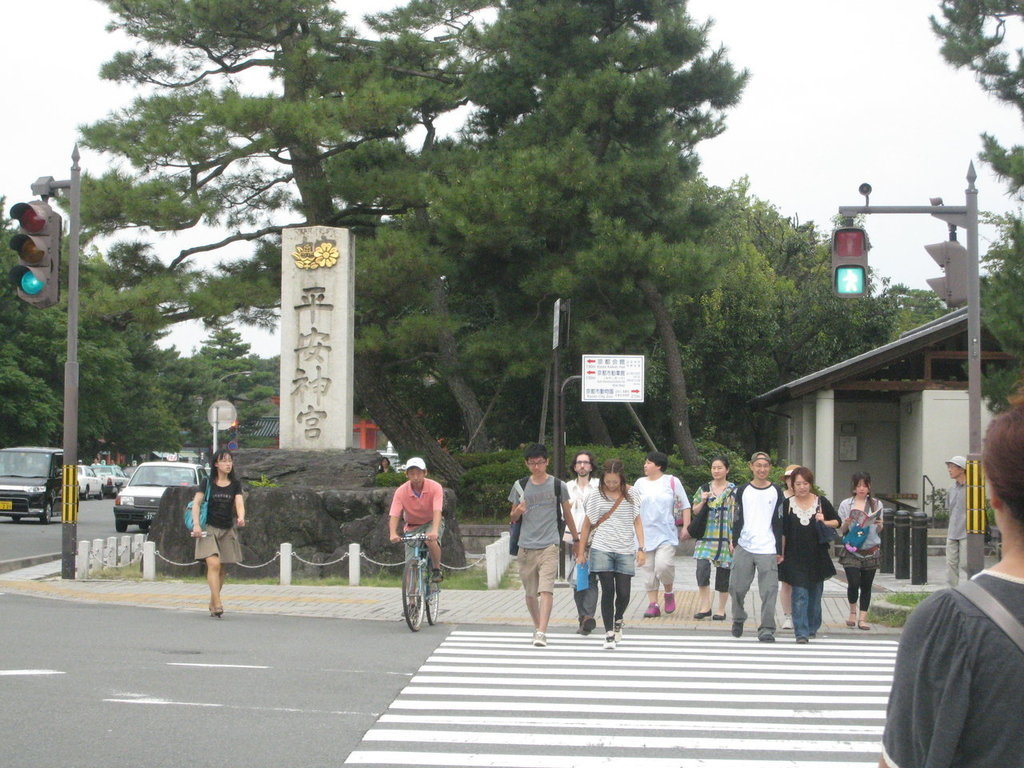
<point x="419" y="500"/>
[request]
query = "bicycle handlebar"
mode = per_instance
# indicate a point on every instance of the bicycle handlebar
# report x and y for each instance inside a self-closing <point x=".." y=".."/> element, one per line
<point x="414" y="537"/>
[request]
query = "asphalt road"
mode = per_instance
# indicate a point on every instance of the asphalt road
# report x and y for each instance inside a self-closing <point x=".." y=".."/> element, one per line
<point x="119" y="686"/>
<point x="30" y="537"/>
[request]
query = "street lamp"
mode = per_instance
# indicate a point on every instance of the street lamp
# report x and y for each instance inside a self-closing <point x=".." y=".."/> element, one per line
<point x="215" y="409"/>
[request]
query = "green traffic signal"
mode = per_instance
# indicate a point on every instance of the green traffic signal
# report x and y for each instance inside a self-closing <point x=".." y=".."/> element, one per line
<point x="849" y="281"/>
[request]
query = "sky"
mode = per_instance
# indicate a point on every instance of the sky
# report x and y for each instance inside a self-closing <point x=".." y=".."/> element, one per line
<point x="841" y="92"/>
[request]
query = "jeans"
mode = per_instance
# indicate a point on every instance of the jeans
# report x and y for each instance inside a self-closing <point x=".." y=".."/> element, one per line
<point x="807" y="609"/>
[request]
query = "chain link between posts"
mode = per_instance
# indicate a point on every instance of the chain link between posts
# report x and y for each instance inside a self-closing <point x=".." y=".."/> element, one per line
<point x="362" y="555"/>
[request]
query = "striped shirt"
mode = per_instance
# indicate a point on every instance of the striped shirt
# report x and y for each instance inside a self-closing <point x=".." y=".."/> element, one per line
<point x="616" y="534"/>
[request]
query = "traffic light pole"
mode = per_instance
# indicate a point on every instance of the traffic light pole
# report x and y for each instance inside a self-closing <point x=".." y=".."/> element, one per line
<point x="965" y="216"/>
<point x="46" y="187"/>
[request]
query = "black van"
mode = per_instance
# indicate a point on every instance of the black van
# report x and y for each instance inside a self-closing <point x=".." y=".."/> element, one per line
<point x="30" y="483"/>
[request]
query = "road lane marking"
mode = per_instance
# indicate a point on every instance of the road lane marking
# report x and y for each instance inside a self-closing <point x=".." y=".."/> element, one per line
<point x="218" y="666"/>
<point x="16" y="672"/>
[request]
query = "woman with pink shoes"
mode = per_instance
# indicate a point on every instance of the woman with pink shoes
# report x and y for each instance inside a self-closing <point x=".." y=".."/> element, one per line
<point x="663" y="502"/>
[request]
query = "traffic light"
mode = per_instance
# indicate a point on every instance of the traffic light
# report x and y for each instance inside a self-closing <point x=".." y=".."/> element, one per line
<point x="952" y="257"/>
<point x="37" y="274"/>
<point x="850" y="262"/>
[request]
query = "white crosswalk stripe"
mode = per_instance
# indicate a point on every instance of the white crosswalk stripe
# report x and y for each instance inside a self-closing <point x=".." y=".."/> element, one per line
<point x="657" y="701"/>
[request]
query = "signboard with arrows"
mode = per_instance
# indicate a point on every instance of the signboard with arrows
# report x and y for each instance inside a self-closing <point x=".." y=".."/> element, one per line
<point x="613" y="378"/>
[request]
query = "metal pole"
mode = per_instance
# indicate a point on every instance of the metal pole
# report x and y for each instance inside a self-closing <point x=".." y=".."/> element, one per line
<point x="976" y="520"/>
<point x="69" y="504"/>
<point x="919" y="547"/>
<point x="216" y="423"/>
<point x="888" y="540"/>
<point x="902" y="544"/>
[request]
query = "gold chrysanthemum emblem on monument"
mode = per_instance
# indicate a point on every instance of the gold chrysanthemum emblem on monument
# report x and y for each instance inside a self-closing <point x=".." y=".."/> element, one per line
<point x="323" y="255"/>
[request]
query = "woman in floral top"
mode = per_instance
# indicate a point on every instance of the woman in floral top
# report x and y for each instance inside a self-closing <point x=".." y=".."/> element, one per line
<point x="713" y="549"/>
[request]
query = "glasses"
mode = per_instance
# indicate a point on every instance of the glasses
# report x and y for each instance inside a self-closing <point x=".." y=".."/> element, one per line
<point x="536" y="462"/>
<point x="584" y="462"/>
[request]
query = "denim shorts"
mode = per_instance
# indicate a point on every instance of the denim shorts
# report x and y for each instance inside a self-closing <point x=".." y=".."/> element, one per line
<point x="612" y="561"/>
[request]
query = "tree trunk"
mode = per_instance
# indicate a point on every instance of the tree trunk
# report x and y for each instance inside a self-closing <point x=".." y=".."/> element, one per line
<point x="597" y="430"/>
<point x="678" y="400"/>
<point x="473" y="416"/>
<point x="399" y="423"/>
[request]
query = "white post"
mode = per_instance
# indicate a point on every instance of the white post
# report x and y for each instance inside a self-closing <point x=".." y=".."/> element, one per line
<point x="149" y="561"/>
<point x="124" y="551"/>
<point x="96" y="555"/>
<point x="286" y="564"/>
<point x="353" y="564"/>
<point x="137" y="541"/>
<point x="82" y="562"/>
<point x="110" y="552"/>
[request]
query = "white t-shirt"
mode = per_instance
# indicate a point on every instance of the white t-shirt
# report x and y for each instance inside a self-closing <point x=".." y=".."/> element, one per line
<point x="757" y="536"/>
<point x="657" y="509"/>
<point x="578" y="497"/>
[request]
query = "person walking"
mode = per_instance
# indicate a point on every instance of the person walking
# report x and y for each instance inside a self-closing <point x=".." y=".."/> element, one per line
<point x="956" y="535"/>
<point x="420" y="502"/>
<point x="785" y="588"/>
<point x="806" y="563"/>
<point x="713" y="550"/>
<point x="663" y="503"/>
<point x="583" y="466"/>
<point x="218" y="545"/>
<point x="864" y="510"/>
<point x="756" y="546"/>
<point x="613" y="513"/>
<point x="957" y="672"/>
<point x="542" y="503"/>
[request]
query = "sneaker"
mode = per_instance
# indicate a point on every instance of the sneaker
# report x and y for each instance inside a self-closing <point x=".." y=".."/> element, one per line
<point x="540" y="639"/>
<point x="609" y="641"/>
<point x="579" y="628"/>
<point x="618" y="631"/>
<point x="765" y="636"/>
<point x="653" y="611"/>
<point x="670" y="602"/>
<point x="589" y="623"/>
<point x="787" y="622"/>
<point x="802" y="640"/>
<point x="436" y="576"/>
<point x="737" y="629"/>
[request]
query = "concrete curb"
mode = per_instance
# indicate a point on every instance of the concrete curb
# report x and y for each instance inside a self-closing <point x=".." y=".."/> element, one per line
<point x="18" y="563"/>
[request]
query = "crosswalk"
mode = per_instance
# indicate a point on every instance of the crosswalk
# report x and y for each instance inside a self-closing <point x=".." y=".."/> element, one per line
<point x="657" y="701"/>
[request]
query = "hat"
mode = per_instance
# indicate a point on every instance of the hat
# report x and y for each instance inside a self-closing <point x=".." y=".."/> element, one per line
<point x="415" y="463"/>
<point x="760" y="455"/>
<point x="960" y="461"/>
<point x="790" y="469"/>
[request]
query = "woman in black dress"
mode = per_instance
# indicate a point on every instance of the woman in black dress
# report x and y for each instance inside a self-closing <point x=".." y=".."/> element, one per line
<point x="806" y="563"/>
<point x="218" y="544"/>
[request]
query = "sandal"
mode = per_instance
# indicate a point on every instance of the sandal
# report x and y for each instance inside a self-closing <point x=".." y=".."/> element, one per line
<point x="852" y="621"/>
<point x="863" y="625"/>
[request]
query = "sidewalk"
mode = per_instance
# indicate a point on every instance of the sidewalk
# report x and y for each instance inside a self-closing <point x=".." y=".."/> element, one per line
<point x="457" y="606"/>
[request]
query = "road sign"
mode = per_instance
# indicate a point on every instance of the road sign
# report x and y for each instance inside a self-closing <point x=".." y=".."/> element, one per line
<point x="613" y="378"/>
<point x="221" y="414"/>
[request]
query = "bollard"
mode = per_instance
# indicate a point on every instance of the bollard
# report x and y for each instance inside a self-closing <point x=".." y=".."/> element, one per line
<point x="110" y="552"/>
<point x="124" y="551"/>
<point x="149" y="561"/>
<point x="902" y="544"/>
<point x="96" y="556"/>
<point x="353" y="564"/>
<point x="919" y="547"/>
<point x="286" y="564"/>
<point x="137" y="541"/>
<point x="82" y="561"/>
<point x="888" y="540"/>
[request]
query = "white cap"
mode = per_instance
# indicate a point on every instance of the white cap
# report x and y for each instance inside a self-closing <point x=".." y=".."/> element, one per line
<point x="960" y="461"/>
<point x="415" y="462"/>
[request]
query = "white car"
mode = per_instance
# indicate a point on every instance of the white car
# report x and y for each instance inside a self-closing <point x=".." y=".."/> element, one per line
<point x="89" y="484"/>
<point x="137" y="503"/>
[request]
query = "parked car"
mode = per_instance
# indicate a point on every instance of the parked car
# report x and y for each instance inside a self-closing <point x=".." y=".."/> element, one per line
<point x="89" y="484"/>
<point x="138" y="502"/>
<point x="30" y="482"/>
<point x="112" y="477"/>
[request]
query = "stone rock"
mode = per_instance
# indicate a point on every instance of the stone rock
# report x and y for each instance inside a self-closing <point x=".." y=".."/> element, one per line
<point x="352" y="468"/>
<point x="319" y="524"/>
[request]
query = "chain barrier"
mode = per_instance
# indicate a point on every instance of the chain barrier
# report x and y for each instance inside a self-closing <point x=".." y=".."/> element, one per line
<point x="465" y="567"/>
<point x="171" y="562"/>
<point x="382" y="565"/>
<point x="310" y="562"/>
<point x="262" y="565"/>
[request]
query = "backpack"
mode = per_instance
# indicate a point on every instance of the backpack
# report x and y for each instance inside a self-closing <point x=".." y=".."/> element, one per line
<point x="516" y="527"/>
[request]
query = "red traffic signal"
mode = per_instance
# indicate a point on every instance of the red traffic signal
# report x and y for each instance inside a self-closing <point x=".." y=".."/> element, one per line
<point x="850" y="262"/>
<point x="37" y="274"/>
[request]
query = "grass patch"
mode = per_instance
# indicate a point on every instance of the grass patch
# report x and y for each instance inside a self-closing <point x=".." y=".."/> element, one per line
<point x="908" y="599"/>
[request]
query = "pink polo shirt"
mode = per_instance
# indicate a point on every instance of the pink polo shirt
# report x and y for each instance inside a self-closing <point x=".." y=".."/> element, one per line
<point x="418" y="509"/>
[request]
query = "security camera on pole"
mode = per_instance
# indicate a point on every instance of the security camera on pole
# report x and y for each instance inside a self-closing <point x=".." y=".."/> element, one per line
<point x="952" y="256"/>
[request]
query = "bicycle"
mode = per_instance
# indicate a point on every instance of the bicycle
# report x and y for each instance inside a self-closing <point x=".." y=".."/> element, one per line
<point x="419" y="594"/>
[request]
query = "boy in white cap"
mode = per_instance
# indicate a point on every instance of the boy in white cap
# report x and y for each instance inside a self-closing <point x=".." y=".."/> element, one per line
<point x="956" y="536"/>
<point x="420" y="501"/>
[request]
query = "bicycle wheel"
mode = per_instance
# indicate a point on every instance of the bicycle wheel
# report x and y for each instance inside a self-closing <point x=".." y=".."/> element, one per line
<point x="412" y="597"/>
<point x="433" y="601"/>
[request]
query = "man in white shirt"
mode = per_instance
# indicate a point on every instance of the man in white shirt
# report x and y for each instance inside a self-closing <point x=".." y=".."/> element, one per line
<point x="756" y="546"/>
<point x="582" y="466"/>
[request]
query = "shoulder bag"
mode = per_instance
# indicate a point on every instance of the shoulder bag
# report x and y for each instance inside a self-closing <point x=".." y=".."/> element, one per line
<point x="699" y="522"/>
<point x="202" y="509"/>
<point x="995" y="610"/>
<point x="605" y="516"/>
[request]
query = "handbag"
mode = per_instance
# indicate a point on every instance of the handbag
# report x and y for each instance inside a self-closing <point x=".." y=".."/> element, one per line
<point x="582" y="575"/>
<point x="855" y="537"/>
<point x="699" y="522"/>
<point x="202" y="510"/>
